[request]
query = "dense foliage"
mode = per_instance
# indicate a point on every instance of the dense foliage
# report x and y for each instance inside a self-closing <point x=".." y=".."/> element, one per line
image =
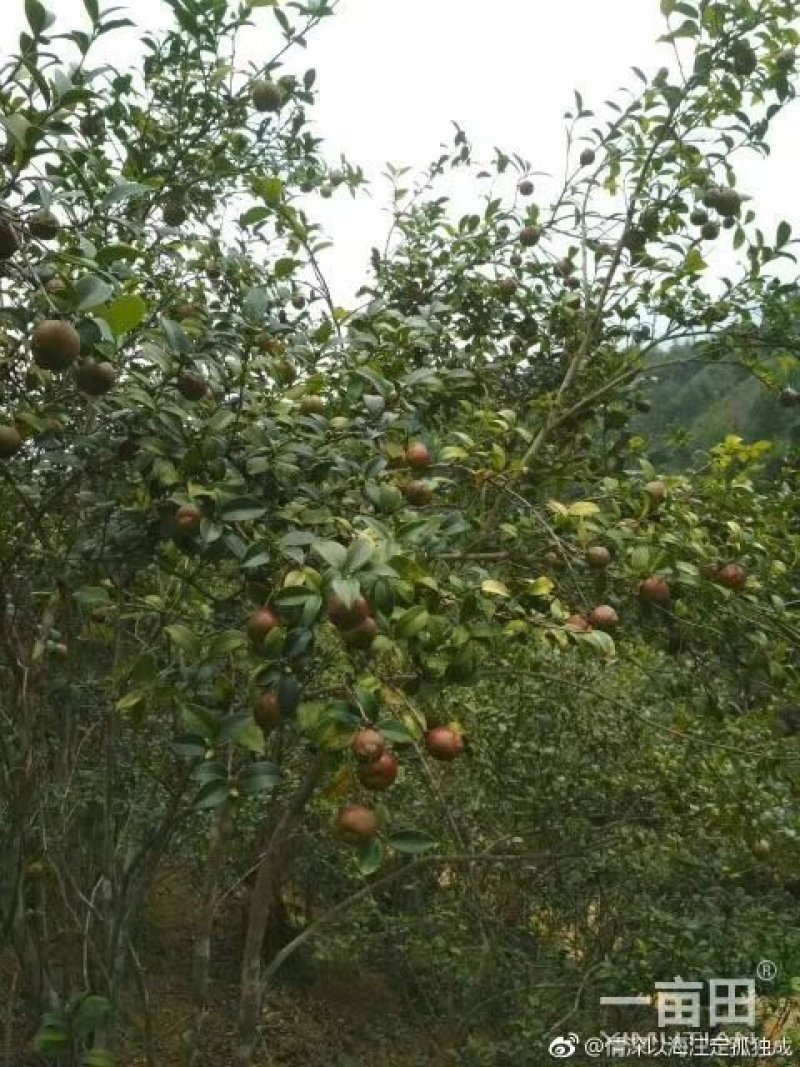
<point x="388" y="602"/>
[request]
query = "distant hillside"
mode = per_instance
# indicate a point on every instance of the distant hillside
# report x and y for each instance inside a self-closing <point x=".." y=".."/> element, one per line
<point x="696" y="404"/>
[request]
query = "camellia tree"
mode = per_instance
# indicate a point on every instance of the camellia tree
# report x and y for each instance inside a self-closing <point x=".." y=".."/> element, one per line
<point x="256" y="547"/>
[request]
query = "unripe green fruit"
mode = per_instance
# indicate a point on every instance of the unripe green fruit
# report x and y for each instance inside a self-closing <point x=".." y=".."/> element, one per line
<point x="267" y="96"/>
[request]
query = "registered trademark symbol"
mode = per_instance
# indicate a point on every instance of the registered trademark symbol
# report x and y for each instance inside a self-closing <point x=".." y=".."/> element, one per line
<point x="767" y="971"/>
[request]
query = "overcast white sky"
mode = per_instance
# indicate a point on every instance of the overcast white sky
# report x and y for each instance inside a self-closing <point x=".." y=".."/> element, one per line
<point x="393" y="73"/>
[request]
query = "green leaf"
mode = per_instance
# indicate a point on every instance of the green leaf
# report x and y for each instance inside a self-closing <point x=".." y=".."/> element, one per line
<point x="39" y="18"/>
<point x="494" y="588"/>
<point x="412" y="621"/>
<point x="395" y="732"/>
<point x="91" y="291"/>
<point x="346" y="590"/>
<point x="91" y="1015"/>
<point x="92" y="10"/>
<point x="212" y="795"/>
<point x="183" y="637"/>
<point x="334" y="554"/>
<point x="369" y="857"/>
<point x="411" y="842"/>
<point x="783" y="234"/>
<point x="227" y="642"/>
<point x="124" y="314"/>
<point x="92" y="596"/>
<point x="583" y="509"/>
<point x="243" y="511"/>
<point x="190" y="746"/>
<point x="99" y="1057"/>
<point x="358" y="554"/>
<point x="233" y="726"/>
<point x="258" y="777"/>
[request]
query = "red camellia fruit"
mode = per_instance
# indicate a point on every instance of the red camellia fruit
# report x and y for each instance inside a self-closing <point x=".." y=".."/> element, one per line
<point x="368" y="745"/>
<point x="355" y="824"/>
<point x="603" y="617"/>
<point x="192" y="386"/>
<point x="732" y="576"/>
<point x="262" y="622"/>
<point x="267" y="710"/>
<point x="418" y="493"/>
<point x="529" y="236"/>
<point x="345" y="618"/>
<point x="417" y="455"/>
<point x="361" y="636"/>
<point x="655" y="590"/>
<point x="188" y="518"/>
<point x="380" y="774"/>
<point x="444" y="744"/>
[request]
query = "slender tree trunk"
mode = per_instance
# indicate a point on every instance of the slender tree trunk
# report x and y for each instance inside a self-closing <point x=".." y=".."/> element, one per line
<point x="201" y="964"/>
<point x="263" y="889"/>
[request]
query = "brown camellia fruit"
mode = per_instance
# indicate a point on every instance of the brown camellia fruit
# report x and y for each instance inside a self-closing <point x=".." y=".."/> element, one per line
<point x="598" y="557"/>
<point x="267" y="96"/>
<point x="417" y="455"/>
<point x="56" y="344"/>
<point x="732" y="576"/>
<point x="192" y="386"/>
<point x="355" y="824"/>
<point x="710" y="232"/>
<point x="312" y="405"/>
<point x="418" y="493"/>
<point x="507" y="286"/>
<point x="10" y="441"/>
<point x="656" y="490"/>
<point x="345" y="618"/>
<point x="185" y="309"/>
<point x="603" y="617"/>
<point x="529" y="236"/>
<point x="380" y="774"/>
<point x="44" y="225"/>
<point x="174" y="213"/>
<point x="188" y="518"/>
<point x="361" y="636"/>
<point x="267" y="343"/>
<point x="267" y="710"/>
<point x="578" y="623"/>
<point x="526" y="187"/>
<point x="262" y="622"/>
<point x="655" y="590"/>
<point x="368" y="745"/>
<point x="95" y="378"/>
<point x="56" y="286"/>
<point x="9" y="239"/>
<point x="587" y="157"/>
<point x="444" y="744"/>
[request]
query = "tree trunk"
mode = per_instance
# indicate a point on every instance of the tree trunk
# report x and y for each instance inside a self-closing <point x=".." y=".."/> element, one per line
<point x="263" y="889"/>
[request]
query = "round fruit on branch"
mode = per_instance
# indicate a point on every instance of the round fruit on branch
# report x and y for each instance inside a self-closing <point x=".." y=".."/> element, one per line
<point x="655" y="590"/>
<point x="355" y="824"/>
<point x="380" y="774"/>
<point x="368" y="745"/>
<point x="261" y="623"/>
<point x="55" y="344"/>
<point x="444" y="744"/>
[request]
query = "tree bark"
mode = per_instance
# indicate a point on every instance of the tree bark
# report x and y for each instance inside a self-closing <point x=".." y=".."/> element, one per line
<point x="263" y="888"/>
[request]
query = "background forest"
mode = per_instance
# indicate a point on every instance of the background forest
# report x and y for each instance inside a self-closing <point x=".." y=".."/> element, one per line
<point x="387" y="684"/>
